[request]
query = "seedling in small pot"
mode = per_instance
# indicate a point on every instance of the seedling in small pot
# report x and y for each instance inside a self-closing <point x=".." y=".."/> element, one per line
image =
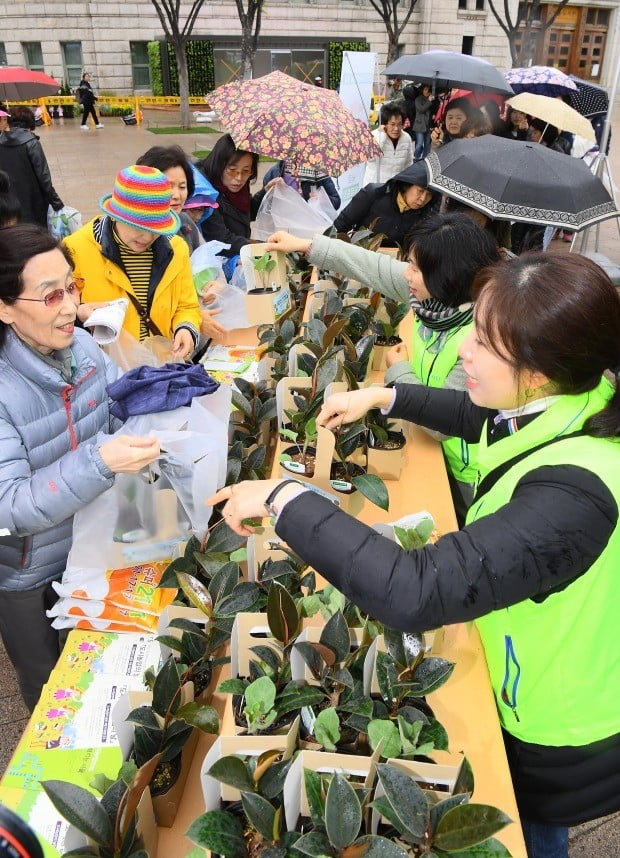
<point x="386" y="333"/>
<point x="423" y="826"/>
<point x="352" y="476"/>
<point x="263" y="266"/>
<point x="268" y="694"/>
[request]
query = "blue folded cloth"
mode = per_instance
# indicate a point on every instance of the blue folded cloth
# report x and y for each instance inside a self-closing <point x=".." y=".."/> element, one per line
<point x="148" y="389"/>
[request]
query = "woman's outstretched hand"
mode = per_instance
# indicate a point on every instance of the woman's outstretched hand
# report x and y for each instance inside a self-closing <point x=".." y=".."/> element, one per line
<point x="287" y="243"/>
<point x="128" y="454"/>
<point x="351" y="406"/>
<point x="246" y="500"/>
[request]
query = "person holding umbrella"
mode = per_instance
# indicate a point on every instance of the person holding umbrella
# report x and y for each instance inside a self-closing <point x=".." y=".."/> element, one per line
<point x="536" y="565"/>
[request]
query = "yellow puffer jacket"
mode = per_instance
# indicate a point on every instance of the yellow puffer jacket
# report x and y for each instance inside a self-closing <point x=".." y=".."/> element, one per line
<point x="173" y="300"/>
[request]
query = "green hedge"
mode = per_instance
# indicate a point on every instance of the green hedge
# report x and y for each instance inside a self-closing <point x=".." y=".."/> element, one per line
<point x="157" y="83"/>
<point x="200" y="68"/>
<point x="335" y="58"/>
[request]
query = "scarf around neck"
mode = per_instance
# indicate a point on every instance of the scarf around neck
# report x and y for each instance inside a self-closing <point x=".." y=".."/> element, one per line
<point x="438" y="316"/>
<point x="241" y="200"/>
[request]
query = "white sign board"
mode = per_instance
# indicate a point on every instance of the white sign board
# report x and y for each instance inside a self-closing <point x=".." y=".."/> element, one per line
<point x="356" y="81"/>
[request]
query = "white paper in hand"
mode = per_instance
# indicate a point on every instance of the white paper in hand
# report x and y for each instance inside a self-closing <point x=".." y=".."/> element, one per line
<point x="106" y="322"/>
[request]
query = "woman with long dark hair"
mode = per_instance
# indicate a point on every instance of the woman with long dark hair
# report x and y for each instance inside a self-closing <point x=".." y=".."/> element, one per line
<point x="536" y="565"/>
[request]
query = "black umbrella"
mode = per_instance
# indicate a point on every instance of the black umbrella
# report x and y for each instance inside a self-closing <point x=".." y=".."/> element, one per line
<point x="589" y="99"/>
<point x="519" y="181"/>
<point x="446" y="69"/>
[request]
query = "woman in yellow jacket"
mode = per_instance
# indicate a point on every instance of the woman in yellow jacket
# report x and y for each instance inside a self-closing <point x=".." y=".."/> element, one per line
<point x="132" y="252"/>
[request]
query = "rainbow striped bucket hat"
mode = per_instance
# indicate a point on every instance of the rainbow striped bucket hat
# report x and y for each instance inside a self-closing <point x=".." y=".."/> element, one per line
<point x="141" y="198"/>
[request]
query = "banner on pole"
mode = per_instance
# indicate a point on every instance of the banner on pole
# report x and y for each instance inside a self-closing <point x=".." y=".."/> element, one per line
<point x="356" y="81"/>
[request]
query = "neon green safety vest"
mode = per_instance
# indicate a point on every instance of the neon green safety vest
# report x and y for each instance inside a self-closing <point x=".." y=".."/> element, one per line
<point x="554" y="666"/>
<point x="432" y="368"/>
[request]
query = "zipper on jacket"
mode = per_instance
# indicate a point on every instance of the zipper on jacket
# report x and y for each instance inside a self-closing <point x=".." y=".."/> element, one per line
<point x="512" y="675"/>
<point x="66" y="394"/>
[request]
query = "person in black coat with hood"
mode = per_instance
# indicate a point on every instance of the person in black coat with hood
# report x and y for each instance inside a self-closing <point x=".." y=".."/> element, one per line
<point x="392" y="208"/>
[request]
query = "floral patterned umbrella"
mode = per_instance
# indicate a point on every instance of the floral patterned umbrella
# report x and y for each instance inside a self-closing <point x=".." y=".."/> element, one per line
<point x="540" y="80"/>
<point x="282" y="117"/>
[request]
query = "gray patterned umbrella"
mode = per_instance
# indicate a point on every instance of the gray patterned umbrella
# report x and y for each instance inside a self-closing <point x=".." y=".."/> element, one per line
<point x="519" y="181"/>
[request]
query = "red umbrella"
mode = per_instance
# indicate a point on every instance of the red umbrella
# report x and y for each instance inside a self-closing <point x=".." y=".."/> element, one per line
<point x="18" y="84"/>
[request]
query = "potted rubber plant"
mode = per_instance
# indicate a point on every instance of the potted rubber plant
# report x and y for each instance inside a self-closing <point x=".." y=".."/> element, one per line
<point x="117" y="825"/>
<point x="268" y="698"/>
<point x="386" y="446"/>
<point x="386" y="331"/>
<point x="419" y="824"/>
<point x="347" y="476"/>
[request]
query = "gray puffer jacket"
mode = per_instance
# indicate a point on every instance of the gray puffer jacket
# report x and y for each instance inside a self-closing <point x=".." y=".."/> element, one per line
<point x="50" y="465"/>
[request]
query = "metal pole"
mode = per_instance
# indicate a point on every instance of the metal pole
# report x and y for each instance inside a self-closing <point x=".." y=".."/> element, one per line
<point x="613" y="90"/>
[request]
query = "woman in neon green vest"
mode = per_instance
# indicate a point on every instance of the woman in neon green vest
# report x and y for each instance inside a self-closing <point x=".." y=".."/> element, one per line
<point x="536" y="565"/>
<point x="445" y="252"/>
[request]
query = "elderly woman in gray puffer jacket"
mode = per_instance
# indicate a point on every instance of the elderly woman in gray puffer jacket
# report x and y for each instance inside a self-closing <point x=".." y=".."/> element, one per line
<point x="55" y="456"/>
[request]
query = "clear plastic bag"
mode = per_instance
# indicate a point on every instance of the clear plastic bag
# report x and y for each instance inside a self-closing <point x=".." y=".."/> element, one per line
<point x="284" y="208"/>
<point x="321" y="203"/>
<point x="207" y="264"/>
<point x="63" y="222"/>
<point x="127" y="353"/>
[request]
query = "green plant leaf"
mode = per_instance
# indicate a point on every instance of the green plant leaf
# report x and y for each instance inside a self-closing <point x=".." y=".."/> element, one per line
<point x="314" y="844"/>
<point x="80" y="808"/>
<point x="439" y="810"/>
<point x="465" y="779"/>
<point x="166" y="688"/>
<point x="169" y="577"/>
<point x="282" y="616"/>
<point x="196" y="592"/>
<point x="336" y="636"/>
<point x="375" y="846"/>
<point x="220" y="832"/>
<point x="467" y="825"/>
<point x="435" y="733"/>
<point x="224" y="540"/>
<point x="199" y="715"/>
<point x="382" y="805"/>
<point x="271" y="782"/>
<point x="144" y="716"/>
<point x="243" y="598"/>
<point x="408" y="735"/>
<point x="327" y="729"/>
<point x="373" y="488"/>
<point x="232" y="771"/>
<point x="293" y="698"/>
<point x="232" y="686"/>
<point x="490" y="848"/>
<point x="386" y="732"/>
<point x="432" y="673"/>
<point x="310" y="655"/>
<point x="407" y="799"/>
<point x="260" y="813"/>
<point x="343" y="813"/>
<point x="326" y="372"/>
<point x="316" y="330"/>
<point x="315" y="794"/>
<point x="260" y="696"/>
<point x="82" y="852"/>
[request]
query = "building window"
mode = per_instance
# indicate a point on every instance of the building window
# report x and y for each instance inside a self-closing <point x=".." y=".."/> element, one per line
<point x="479" y="5"/>
<point x="33" y="56"/>
<point x="467" y="46"/>
<point x="3" y="61"/>
<point x="462" y="4"/>
<point x="140" y="69"/>
<point x="72" y="62"/>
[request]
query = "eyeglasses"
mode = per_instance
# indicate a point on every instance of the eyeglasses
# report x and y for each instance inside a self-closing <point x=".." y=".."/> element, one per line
<point x="233" y="171"/>
<point x="55" y="298"/>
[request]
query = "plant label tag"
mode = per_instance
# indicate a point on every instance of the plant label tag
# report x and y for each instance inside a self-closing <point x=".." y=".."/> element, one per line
<point x="281" y="303"/>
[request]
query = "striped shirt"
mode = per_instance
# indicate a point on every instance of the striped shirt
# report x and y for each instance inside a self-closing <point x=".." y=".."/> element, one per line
<point x="138" y="268"/>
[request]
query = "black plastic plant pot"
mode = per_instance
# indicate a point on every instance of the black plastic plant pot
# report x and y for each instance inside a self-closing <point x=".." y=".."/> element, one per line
<point x="264" y="290"/>
<point x="297" y="465"/>
<point x="340" y="482"/>
<point x="395" y="441"/>
<point x="394" y="340"/>
<point x="165" y="776"/>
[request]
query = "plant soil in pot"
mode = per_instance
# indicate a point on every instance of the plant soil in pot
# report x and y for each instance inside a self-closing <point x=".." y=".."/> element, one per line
<point x="297" y="461"/>
<point x="386" y="458"/>
<point x="340" y="477"/>
<point x="278" y="728"/>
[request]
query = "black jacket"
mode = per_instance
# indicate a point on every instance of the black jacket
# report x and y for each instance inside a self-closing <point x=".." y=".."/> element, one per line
<point x="377" y="203"/>
<point x="22" y="157"/>
<point x="230" y="225"/>
<point x="85" y="94"/>
<point x="492" y="563"/>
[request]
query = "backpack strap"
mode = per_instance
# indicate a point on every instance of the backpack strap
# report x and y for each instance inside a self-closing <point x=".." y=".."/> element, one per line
<point x="150" y="324"/>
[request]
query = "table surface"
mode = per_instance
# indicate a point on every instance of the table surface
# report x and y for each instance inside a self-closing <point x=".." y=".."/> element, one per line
<point x="464" y="705"/>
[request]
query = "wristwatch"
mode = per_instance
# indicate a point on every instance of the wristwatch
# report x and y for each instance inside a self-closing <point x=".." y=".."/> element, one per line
<point x="271" y="510"/>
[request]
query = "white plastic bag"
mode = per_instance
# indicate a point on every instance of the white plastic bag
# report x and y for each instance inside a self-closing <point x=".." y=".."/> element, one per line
<point x="321" y="203"/>
<point x="207" y="264"/>
<point x="284" y="208"/>
<point x="63" y="222"/>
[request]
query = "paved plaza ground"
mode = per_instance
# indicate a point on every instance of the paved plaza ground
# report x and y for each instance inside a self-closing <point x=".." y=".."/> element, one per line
<point x="83" y="167"/>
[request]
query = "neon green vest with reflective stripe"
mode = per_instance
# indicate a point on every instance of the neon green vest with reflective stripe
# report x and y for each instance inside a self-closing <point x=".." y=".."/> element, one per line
<point x="432" y="368"/>
<point x="554" y="666"/>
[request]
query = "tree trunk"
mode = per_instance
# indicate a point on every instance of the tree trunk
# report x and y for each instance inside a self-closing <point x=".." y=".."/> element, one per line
<point x="392" y="51"/>
<point x="246" y="50"/>
<point x="179" y="53"/>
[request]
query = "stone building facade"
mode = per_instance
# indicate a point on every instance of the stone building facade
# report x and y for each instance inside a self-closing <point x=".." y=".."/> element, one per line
<point x="109" y="38"/>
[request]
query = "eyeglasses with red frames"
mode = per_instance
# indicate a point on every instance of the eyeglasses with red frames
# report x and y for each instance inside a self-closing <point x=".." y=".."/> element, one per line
<point x="55" y="298"/>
